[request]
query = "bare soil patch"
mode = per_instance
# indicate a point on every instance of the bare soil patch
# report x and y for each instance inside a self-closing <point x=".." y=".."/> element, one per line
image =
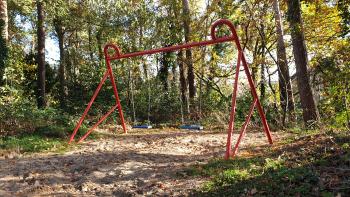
<point x="141" y="163"/>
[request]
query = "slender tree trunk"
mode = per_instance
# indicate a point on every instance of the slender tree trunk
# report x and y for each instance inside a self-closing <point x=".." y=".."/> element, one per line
<point x="310" y="113"/>
<point x="286" y="91"/>
<point x="164" y="70"/>
<point x="4" y="18"/>
<point x="189" y="63"/>
<point x="3" y="37"/>
<point x="62" y="69"/>
<point x="278" y="121"/>
<point x="183" y="85"/>
<point x="262" y="66"/>
<point x="174" y="76"/>
<point x="41" y="55"/>
<point x="144" y="64"/>
<point x="263" y="80"/>
<point x="131" y="82"/>
<point x="255" y="55"/>
<point x="99" y="45"/>
<point x="91" y="53"/>
<point x="345" y="99"/>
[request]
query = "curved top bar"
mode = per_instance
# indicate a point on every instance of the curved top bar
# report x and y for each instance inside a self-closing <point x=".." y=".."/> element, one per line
<point x="233" y="37"/>
<point x="116" y="52"/>
<point x="222" y="22"/>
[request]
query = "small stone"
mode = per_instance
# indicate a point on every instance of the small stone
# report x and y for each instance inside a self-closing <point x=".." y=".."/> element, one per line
<point x="84" y="188"/>
<point x="9" y="156"/>
<point x="36" y="183"/>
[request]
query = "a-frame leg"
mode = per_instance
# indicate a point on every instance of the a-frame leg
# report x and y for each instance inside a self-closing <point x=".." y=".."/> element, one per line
<point x="109" y="74"/>
<point x="233" y="109"/>
<point x="256" y="103"/>
<point x="243" y="128"/>
<point x="119" y="106"/>
<point x="88" y="106"/>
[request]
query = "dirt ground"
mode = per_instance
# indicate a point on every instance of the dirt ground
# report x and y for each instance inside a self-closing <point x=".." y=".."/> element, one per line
<point x="137" y="164"/>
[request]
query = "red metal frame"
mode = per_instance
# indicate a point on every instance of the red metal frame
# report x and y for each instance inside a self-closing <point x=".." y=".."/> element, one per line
<point x="215" y="40"/>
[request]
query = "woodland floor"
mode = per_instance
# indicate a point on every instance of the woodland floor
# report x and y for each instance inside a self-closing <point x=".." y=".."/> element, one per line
<point x="141" y="163"/>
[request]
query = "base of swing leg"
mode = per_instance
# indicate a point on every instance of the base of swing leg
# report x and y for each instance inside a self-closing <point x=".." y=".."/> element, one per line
<point x="191" y="127"/>
<point x="142" y="127"/>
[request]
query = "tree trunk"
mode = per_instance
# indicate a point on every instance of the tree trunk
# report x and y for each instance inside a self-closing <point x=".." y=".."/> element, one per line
<point x="4" y="18"/>
<point x="183" y="85"/>
<point x="41" y="55"/>
<point x="91" y="53"/>
<point x="254" y="66"/>
<point x="286" y="91"/>
<point x="164" y="70"/>
<point x="62" y="69"/>
<point x="3" y="37"/>
<point x="189" y="63"/>
<point x="310" y="113"/>
<point x="263" y="80"/>
<point x="262" y="66"/>
<point x="99" y="45"/>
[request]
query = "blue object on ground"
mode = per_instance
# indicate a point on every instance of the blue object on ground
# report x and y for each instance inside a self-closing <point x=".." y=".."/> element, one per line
<point x="191" y="127"/>
<point x="142" y="127"/>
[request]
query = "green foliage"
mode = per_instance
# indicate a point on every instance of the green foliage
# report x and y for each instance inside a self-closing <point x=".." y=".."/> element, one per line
<point x="333" y="74"/>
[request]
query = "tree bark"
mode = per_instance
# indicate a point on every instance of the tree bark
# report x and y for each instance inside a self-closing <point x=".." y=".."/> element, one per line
<point x="41" y="55"/>
<point x="255" y="55"/>
<point x="262" y="66"/>
<point x="62" y="69"/>
<point x="4" y="18"/>
<point x="183" y="85"/>
<point x="310" y="113"/>
<point x="164" y="70"/>
<point x="286" y="91"/>
<point x="189" y="63"/>
<point x="99" y="45"/>
<point x="3" y="38"/>
<point x="263" y="80"/>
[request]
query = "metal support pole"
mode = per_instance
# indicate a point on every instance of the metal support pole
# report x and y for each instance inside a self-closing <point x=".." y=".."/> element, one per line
<point x="233" y="109"/>
<point x="98" y="123"/>
<point x="244" y="127"/>
<point x="88" y="106"/>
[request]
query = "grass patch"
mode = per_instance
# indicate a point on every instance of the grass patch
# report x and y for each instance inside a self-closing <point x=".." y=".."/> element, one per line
<point x="316" y="164"/>
<point x="32" y="143"/>
<point x="46" y="138"/>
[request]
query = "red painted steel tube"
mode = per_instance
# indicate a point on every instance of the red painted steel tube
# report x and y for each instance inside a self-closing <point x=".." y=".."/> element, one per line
<point x="244" y="127"/>
<point x="167" y="49"/>
<point x="99" y="122"/>
<point x="121" y="116"/>
<point x="88" y="106"/>
<point x="233" y="109"/>
<point x="255" y="95"/>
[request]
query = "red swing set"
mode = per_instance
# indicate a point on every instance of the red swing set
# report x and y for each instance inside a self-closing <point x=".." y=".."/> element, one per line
<point x="116" y="55"/>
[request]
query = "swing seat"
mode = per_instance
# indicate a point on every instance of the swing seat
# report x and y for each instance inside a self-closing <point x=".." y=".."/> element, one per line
<point x="191" y="127"/>
<point x="142" y="127"/>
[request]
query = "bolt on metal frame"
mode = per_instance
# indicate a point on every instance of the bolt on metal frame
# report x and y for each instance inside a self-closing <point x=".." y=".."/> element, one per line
<point x="215" y="40"/>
